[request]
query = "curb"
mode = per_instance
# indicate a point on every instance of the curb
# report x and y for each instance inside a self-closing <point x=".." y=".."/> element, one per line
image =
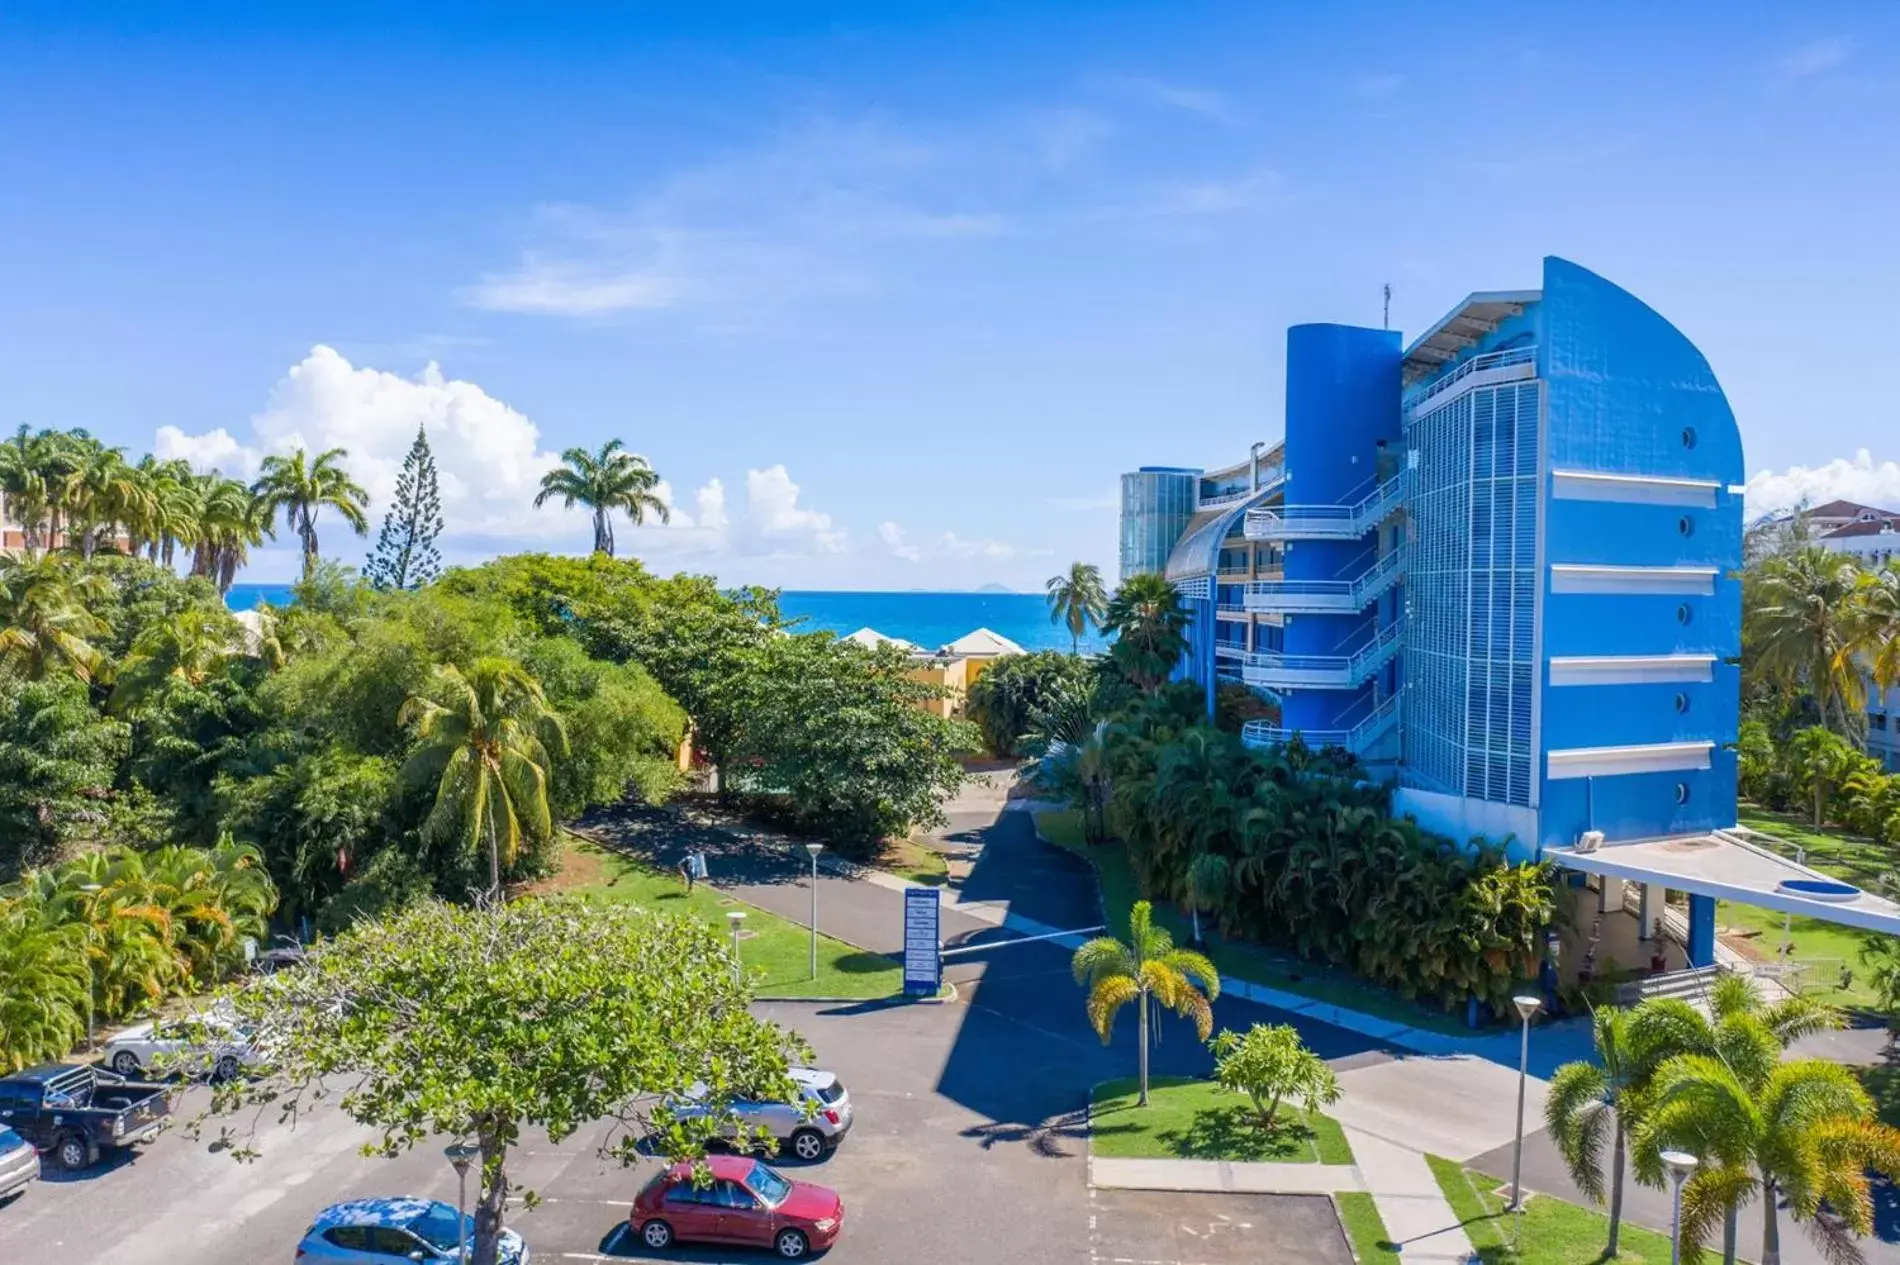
<point x="944" y="998"/>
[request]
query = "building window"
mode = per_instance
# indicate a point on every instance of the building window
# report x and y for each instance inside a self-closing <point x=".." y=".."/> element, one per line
<point x="1682" y="792"/>
<point x="1684" y="614"/>
<point x="1688" y="436"/>
<point x="1685" y="525"/>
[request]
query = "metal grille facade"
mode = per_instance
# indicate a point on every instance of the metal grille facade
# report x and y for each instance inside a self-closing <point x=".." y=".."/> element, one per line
<point x="1472" y="593"/>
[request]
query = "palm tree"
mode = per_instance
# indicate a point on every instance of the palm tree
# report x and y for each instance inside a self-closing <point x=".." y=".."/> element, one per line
<point x="43" y="982"/>
<point x="488" y="729"/>
<point x="301" y="488"/>
<point x="1146" y="970"/>
<point x="44" y="622"/>
<point x="605" y="481"/>
<point x="102" y="493"/>
<point x="186" y="648"/>
<point x="1077" y="600"/>
<point x="1589" y="1098"/>
<point x="1798" y="625"/>
<point x="1150" y="627"/>
<point x="231" y="521"/>
<point x="1804" y="1130"/>
<point x="1873" y="627"/>
<point x="212" y="900"/>
<point x="172" y="511"/>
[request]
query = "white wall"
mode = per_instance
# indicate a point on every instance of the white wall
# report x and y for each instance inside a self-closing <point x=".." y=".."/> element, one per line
<point x="1462" y="818"/>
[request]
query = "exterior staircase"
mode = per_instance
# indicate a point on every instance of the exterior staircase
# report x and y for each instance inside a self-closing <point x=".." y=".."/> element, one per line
<point x="1324" y="597"/>
<point x="1356" y="739"/>
<point x="1329" y="522"/>
<point x="1346" y="671"/>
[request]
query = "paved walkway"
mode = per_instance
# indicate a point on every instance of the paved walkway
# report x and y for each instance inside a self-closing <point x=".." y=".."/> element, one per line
<point x="1227" y="1176"/>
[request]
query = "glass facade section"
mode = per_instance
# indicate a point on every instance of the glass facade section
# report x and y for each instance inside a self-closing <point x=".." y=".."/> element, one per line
<point x="1156" y="508"/>
<point x="1472" y="591"/>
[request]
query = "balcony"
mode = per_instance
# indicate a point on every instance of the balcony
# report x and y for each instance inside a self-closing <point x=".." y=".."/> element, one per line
<point x="1493" y="366"/>
<point x="1345" y="671"/>
<point x="1327" y="597"/>
<point x="1357" y="738"/>
<point x="1329" y="522"/>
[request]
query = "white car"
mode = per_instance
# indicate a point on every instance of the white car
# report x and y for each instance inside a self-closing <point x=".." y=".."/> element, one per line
<point x="211" y="1044"/>
<point x="809" y="1127"/>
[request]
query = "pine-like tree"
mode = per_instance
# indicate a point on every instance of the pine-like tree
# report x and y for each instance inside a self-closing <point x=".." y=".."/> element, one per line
<point x="405" y="555"/>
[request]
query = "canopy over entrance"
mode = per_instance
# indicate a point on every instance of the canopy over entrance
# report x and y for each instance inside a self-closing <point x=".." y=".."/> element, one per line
<point x="1724" y="865"/>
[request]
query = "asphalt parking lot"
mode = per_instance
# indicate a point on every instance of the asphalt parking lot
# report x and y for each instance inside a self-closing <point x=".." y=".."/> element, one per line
<point x="968" y="1147"/>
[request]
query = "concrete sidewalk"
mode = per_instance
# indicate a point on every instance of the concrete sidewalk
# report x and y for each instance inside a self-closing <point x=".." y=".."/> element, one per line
<point x="1237" y="1177"/>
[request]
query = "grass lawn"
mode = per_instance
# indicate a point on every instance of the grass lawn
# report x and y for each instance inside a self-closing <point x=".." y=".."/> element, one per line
<point x="1189" y="1119"/>
<point x="1255" y="963"/>
<point x="1553" y="1232"/>
<point x="776" y="952"/>
<point x="911" y="860"/>
<point x="1825" y="946"/>
<point x="1366" y="1228"/>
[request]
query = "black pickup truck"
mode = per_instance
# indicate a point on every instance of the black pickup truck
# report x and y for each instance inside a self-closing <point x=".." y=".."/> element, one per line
<point x="76" y="1112"/>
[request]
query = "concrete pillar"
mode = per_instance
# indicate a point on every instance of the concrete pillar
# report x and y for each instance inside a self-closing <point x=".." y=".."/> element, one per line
<point x="1655" y="897"/>
<point x="1609" y="894"/>
<point x="1701" y="930"/>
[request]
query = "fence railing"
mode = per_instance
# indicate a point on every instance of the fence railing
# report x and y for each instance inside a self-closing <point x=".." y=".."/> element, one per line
<point x="1323" y="671"/>
<point x="1258" y="733"/>
<point x="1329" y="522"/>
<point x="1477" y="364"/>
<point x="1320" y="596"/>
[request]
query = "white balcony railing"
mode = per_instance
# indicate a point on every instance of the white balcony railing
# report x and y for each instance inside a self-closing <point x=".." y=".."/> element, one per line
<point x="1510" y="359"/>
<point x="1355" y="738"/>
<point x="1329" y="522"/>
<point x="1319" y="597"/>
<point x="1322" y="671"/>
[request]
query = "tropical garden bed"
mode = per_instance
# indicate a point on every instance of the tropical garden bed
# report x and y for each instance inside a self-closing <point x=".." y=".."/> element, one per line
<point x="1189" y="1119"/>
<point x="1238" y="959"/>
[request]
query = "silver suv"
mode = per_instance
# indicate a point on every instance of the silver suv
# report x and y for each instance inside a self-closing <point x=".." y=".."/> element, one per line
<point x="808" y="1127"/>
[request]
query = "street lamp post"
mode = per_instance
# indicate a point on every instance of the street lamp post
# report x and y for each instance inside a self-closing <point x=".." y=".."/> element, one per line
<point x="814" y="849"/>
<point x="1527" y="1005"/>
<point x="92" y="973"/>
<point x="735" y="920"/>
<point x="459" y="1157"/>
<point x="1680" y="1164"/>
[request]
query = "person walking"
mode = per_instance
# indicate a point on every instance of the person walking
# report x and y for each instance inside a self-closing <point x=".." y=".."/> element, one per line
<point x="694" y="868"/>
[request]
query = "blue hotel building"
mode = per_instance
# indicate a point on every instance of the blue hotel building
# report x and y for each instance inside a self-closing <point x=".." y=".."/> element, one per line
<point x="1500" y="564"/>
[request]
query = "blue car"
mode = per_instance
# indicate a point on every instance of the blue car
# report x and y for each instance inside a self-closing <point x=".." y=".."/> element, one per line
<point x="397" y="1231"/>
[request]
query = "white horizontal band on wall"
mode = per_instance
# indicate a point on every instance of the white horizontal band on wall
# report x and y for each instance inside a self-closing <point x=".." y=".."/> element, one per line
<point x="1655" y="757"/>
<point x="1682" y="581"/>
<point x="1632" y="669"/>
<point x="1632" y="489"/>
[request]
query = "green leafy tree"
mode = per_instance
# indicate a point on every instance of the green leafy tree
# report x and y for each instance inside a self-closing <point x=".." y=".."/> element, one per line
<point x="45" y="623"/>
<point x="1077" y="601"/>
<point x="1209" y="878"/>
<point x="1150" y="628"/>
<point x="301" y="489"/>
<point x="488" y="732"/>
<point x="605" y="481"/>
<point x="406" y="556"/>
<point x="1147" y="970"/>
<point x="1822" y="763"/>
<point x="1803" y="1131"/>
<point x="543" y="1015"/>
<point x="58" y="760"/>
<point x="186" y="649"/>
<point x="623" y="731"/>
<point x="1270" y="1064"/>
<point x="1799" y="627"/>
<point x="1005" y="699"/>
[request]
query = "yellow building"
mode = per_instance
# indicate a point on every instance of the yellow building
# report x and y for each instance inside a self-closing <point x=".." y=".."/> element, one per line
<point x="953" y="668"/>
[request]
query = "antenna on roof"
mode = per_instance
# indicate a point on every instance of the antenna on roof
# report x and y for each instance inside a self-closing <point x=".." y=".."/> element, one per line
<point x="1385" y="322"/>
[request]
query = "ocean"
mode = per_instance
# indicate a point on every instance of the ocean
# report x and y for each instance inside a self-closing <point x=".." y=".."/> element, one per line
<point x="929" y="619"/>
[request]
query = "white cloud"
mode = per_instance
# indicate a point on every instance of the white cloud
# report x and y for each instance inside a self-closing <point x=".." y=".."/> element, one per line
<point x="566" y="288"/>
<point x="1840" y="479"/>
<point x="1816" y="57"/>
<point x="893" y="537"/>
<point x="489" y="463"/>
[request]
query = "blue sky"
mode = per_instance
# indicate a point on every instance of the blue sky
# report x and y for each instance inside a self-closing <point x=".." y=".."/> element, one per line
<point x="890" y="294"/>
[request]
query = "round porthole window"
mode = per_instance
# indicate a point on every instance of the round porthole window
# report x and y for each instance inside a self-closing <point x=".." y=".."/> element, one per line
<point x="1686" y="525"/>
<point x="1682" y="792"/>
<point x="1682" y="702"/>
<point x="1684" y="614"/>
<point x="1688" y="436"/>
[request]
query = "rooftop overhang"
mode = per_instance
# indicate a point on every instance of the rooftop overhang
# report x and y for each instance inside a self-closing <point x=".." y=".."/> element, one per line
<point x="1725" y="865"/>
<point x="1462" y="329"/>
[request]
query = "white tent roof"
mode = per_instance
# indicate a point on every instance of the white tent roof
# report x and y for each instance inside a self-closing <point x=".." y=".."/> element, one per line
<point x="871" y="638"/>
<point x="980" y="644"/>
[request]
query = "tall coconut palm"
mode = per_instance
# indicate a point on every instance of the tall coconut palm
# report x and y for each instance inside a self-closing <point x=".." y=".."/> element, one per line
<point x="1873" y="626"/>
<point x="44" y="621"/>
<point x="488" y="730"/>
<point x="32" y="468"/>
<point x="1804" y="1131"/>
<point x="1150" y="627"/>
<point x="1147" y="970"/>
<point x="43" y="982"/>
<point x="173" y="509"/>
<point x="605" y="481"/>
<point x="101" y="493"/>
<point x="1077" y="601"/>
<point x="1798" y="623"/>
<point x="301" y="488"/>
<point x="232" y="520"/>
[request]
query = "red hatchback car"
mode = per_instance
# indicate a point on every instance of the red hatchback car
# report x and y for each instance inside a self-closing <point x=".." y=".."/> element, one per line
<point x="747" y="1203"/>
